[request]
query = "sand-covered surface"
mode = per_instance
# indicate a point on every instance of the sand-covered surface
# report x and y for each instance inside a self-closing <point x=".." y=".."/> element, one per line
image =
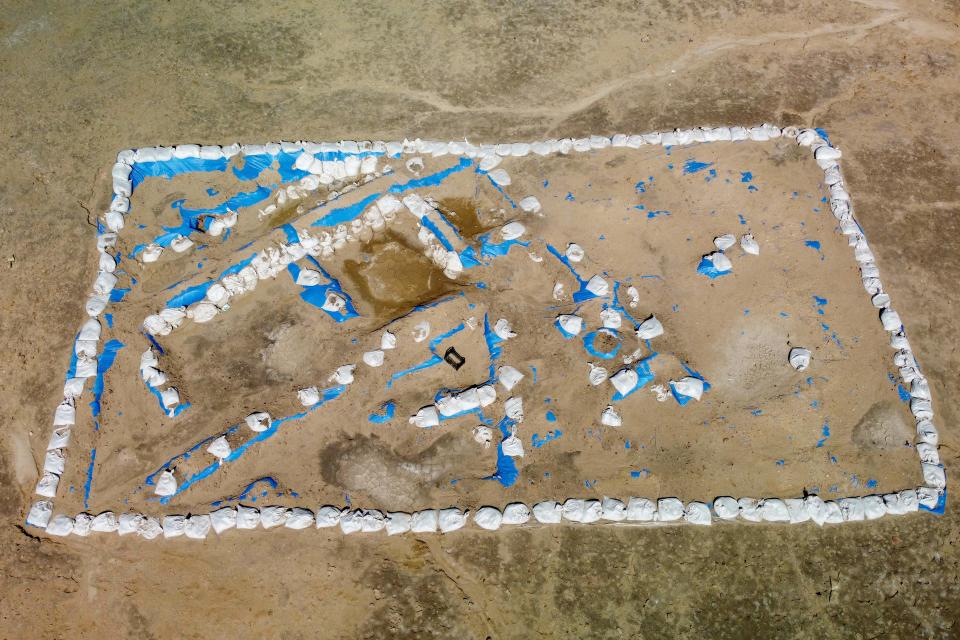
<point x="81" y="81"/>
<point x="643" y="217"/>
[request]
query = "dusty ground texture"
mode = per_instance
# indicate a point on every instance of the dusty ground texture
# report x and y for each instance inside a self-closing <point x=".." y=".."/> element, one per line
<point x="82" y="81"/>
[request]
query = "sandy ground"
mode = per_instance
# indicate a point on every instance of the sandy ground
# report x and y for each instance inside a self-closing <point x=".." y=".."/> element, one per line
<point x="880" y="77"/>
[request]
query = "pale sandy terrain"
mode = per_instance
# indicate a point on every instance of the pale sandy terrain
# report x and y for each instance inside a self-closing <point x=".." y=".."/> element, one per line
<point x="79" y="83"/>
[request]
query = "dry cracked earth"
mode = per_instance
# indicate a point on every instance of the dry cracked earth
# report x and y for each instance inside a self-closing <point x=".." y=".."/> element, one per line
<point x="81" y="80"/>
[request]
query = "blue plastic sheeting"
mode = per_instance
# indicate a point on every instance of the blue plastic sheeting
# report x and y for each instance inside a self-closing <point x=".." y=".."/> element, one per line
<point x="326" y="396"/>
<point x="292" y="236"/>
<point x="588" y="344"/>
<point x="682" y="399"/>
<point x="426" y="364"/>
<point x="644" y="375"/>
<point x="567" y="335"/>
<point x="345" y="214"/>
<point x="435" y="230"/>
<point x="384" y="414"/>
<point x="174" y="167"/>
<point x="89" y="481"/>
<point x="692" y="166"/>
<point x="246" y="492"/>
<point x="117" y="294"/>
<point x="190" y="219"/>
<point x="198" y="292"/>
<point x="617" y="306"/>
<point x="706" y="268"/>
<point x="317" y="294"/>
<point x="104" y="362"/>
<point x="492" y="250"/>
<point x="582" y="294"/>
<point x="536" y="441"/>
<point x="941" y="506"/>
<point x="513" y="205"/>
<point x="507" y="472"/>
<point x="433" y="179"/>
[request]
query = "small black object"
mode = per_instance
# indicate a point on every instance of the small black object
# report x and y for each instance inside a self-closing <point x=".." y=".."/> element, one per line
<point x="454" y="359"/>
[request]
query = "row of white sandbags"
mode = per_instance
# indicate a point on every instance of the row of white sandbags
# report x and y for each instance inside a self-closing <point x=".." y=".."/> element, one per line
<point x="576" y="510"/>
<point x="438" y="148"/>
<point x="827" y="157"/>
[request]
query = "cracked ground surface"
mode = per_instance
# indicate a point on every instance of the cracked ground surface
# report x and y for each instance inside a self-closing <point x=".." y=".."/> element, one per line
<point x="83" y="80"/>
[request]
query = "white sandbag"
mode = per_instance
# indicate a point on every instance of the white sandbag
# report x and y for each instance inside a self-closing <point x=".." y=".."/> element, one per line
<point x="40" y="513"/>
<point x="598" y="286"/>
<point x="105" y="522"/>
<point x="512" y="446"/>
<point x="148" y="530"/>
<point x="650" y="328"/>
<point x="516" y="513"/>
<point x="613" y="509"/>
<point x="921" y="409"/>
<point x="834" y="515"/>
<point x="181" y="244"/>
<point x="927" y="432"/>
<point x="81" y="524"/>
<point x="299" y="518"/>
<point x="247" y="517"/>
<point x="929" y="497"/>
<point x="373" y="358"/>
<point x="85" y="348"/>
<point x="852" y="509"/>
<point x="640" y="510"/>
<point x="724" y="242"/>
<point x="388" y="205"/>
<point x="343" y="375"/>
<point x="514" y="408"/>
<point x="54" y="462"/>
<point x="817" y="509"/>
<point x="503" y="329"/>
<point x="749" y="245"/>
<point x="308" y="278"/>
<point x="489" y="162"/>
<point x="451" y="519"/>
<point x="166" y="484"/>
<point x="797" y="510"/>
<point x="933" y="475"/>
<point x="509" y="376"/>
<point x="928" y="453"/>
<point x="219" y="448"/>
<point x="223" y="519"/>
<point x="424" y="521"/>
<point x="773" y="510"/>
<point x="334" y="302"/>
<point x="203" y="312"/>
<point x="512" y="230"/>
<point x="426" y="417"/>
<point x="624" y="381"/>
<point x="309" y="396"/>
<point x="95" y="305"/>
<point x="483" y="435"/>
<point x="571" y="324"/>
<point x="371" y="520"/>
<point x="688" y="386"/>
<point x="597" y="375"/>
<point x="198" y="526"/>
<point x="749" y="509"/>
<point x="890" y="320"/>
<point x="530" y="204"/>
<point x="273" y="516"/>
<point x="259" y="421"/>
<point x="697" y="513"/>
<point x="173" y="526"/>
<point x="104" y="283"/>
<point x="488" y="518"/>
<point x="500" y="177"/>
<point x="65" y="414"/>
<point x="610" y="319"/>
<point x="610" y="417"/>
<point x="90" y="330"/>
<point x="388" y="341"/>
<point x="574" y="252"/>
<point x="151" y="253"/>
<point x="799" y="358"/>
<point x="328" y="516"/>
<point x="873" y="507"/>
<point x="421" y="331"/>
<point x="170" y="398"/>
<point x="669" y="509"/>
<point x="720" y="261"/>
<point x="548" y="512"/>
<point x="487" y="395"/>
<point x="129" y="523"/>
<point x="59" y="438"/>
<point x="726" y="508"/>
<point x="577" y="510"/>
<point x="398" y="522"/>
<point x="60" y="526"/>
